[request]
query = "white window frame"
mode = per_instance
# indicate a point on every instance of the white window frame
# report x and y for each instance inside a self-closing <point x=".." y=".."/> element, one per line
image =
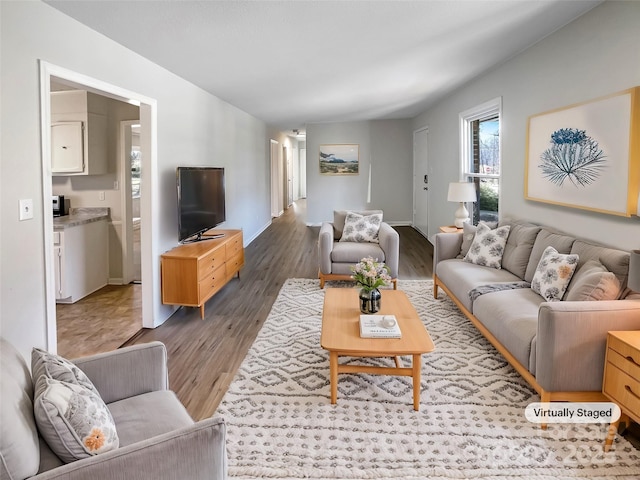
<point x="485" y="111"/>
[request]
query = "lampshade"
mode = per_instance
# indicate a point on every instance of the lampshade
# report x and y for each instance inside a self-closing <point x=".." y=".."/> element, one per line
<point x="461" y="192"/>
<point x="634" y="271"/>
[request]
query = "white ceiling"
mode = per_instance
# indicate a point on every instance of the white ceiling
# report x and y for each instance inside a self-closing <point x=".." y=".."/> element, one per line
<point x="295" y="62"/>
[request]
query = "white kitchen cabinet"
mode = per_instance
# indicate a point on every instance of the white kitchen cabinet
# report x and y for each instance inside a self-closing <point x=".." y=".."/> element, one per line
<point x="78" y="133"/>
<point x="81" y="260"/>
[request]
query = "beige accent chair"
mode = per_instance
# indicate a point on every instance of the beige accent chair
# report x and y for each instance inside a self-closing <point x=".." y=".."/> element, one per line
<point x="336" y="258"/>
<point x="158" y="438"/>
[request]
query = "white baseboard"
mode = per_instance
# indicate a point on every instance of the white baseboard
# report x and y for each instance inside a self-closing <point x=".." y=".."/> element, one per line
<point x="258" y="233"/>
<point x="116" y="281"/>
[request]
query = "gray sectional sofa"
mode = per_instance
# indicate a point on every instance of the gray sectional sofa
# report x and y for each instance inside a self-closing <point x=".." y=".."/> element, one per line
<point x="557" y="346"/>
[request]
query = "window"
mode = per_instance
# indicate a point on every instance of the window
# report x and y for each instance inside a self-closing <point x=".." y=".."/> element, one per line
<point x="480" y="158"/>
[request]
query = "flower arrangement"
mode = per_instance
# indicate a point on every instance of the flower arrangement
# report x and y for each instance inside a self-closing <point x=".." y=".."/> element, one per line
<point x="370" y="274"/>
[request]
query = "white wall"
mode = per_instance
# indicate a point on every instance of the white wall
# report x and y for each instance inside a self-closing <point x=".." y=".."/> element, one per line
<point x="595" y="55"/>
<point x="193" y="128"/>
<point x="384" y="144"/>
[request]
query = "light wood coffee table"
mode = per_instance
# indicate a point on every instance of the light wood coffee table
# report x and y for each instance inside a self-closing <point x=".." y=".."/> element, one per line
<point x="341" y="337"/>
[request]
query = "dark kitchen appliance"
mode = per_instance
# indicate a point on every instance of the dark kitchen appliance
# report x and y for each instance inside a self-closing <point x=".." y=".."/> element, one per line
<point x="60" y="206"/>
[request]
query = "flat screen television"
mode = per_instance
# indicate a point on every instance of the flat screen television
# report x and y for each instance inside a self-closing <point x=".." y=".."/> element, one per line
<point x="201" y="204"/>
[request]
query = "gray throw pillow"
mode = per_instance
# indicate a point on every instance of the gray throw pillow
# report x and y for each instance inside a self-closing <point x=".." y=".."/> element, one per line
<point x="488" y="246"/>
<point x="468" y="234"/>
<point x="593" y="282"/>
<point x="73" y="420"/>
<point x="58" y="368"/>
<point x="361" y="228"/>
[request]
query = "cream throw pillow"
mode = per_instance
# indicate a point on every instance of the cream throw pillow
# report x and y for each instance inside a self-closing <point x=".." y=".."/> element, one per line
<point x="553" y="274"/>
<point x="488" y="246"/>
<point x="593" y="282"/>
<point x="361" y="228"/>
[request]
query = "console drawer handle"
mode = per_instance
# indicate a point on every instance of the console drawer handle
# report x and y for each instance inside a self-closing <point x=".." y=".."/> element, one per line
<point x="628" y="389"/>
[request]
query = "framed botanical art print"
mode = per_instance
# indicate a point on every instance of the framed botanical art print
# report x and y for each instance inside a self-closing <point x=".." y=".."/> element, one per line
<point x="341" y="159"/>
<point x="587" y="155"/>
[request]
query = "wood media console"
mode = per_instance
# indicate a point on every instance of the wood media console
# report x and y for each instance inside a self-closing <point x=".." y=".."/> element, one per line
<point x="193" y="273"/>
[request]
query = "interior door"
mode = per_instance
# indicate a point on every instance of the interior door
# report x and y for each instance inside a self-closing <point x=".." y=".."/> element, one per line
<point x="420" y="182"/>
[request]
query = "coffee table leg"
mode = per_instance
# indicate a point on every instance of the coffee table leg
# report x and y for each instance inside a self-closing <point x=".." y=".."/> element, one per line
<point x="333" y="371"/>
<point x="416" y="366"/>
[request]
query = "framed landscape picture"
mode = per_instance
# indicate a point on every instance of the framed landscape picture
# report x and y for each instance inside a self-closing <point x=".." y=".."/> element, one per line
<point x="587" y="155"/>
<point x="339" y="159"/>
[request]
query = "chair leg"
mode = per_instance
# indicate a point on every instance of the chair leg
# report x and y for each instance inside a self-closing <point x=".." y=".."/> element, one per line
<point x="321" y="277"/>
<point x="395" y="283"/>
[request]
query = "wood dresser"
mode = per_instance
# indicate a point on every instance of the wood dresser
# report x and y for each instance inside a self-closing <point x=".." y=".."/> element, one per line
<point x="621" y="383"/>
<point x="193" y="273"/>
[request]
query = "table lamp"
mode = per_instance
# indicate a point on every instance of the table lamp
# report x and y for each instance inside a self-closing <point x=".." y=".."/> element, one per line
<point x="461" y="192"/>
<point x="634" y="271"/>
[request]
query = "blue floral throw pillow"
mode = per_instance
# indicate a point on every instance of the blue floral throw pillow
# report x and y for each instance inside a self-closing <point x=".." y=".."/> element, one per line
<point x="553" y="274"/>
<point x="488" y="246"/>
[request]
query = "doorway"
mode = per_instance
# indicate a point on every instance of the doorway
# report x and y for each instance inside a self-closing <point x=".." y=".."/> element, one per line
<point x="130" y="159"/>
<point x="277" y="190"/>
<point x="421" y="182"/>
<point x="147" y="109"/>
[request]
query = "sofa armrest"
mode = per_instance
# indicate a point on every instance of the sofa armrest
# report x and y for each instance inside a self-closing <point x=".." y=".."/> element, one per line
<point x="571" y="341"/>
<point x="446" y="246"/>
<point x="325" y="246"/>
<point x="128" y="371"/>
<point x="196" y="452"/>
<point x="390" y="245"/>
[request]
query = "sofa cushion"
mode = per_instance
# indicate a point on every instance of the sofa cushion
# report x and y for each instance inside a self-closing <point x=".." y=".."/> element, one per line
<point x="593" y="282"/>
<point x="361" y="228"/>
<point x="73" y="420"/>
<point x="147" y="415"/>
<point x="512" y="317"/>
<point x="353" y="252"/>
<point x="339" y="217"/>
<point x="488" y="246"/>
<point x="615" y="261"/>
<point x="19" y="450"/>
<point x="553" y="274"/>
<point x="518" y="248"/>
<point x="547" y="237"/>
<point x="461" y="277"/>
<point x="58" y="368"/>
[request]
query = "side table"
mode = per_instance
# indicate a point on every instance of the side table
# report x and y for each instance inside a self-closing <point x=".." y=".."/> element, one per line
<point x="621" y="382"/>
<point x="451" y="229"/>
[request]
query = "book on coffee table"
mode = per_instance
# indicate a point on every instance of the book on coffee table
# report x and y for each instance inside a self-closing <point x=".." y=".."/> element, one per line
<point x="373" y="326"/>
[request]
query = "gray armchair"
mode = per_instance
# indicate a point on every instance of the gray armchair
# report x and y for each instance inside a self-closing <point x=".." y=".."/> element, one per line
<point x="336" y="258"/>
<point x="158" y="438"/>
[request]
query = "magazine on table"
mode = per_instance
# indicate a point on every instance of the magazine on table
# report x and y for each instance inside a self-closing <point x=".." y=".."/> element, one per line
<point x="379" y="326"/>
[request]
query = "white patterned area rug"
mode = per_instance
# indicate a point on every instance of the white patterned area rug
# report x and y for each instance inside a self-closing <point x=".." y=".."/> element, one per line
<point x="471" y="423"/>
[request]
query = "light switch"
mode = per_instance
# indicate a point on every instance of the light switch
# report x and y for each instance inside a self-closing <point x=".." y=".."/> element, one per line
<point x="26" y="209"/>
<point x="101" y="196"/>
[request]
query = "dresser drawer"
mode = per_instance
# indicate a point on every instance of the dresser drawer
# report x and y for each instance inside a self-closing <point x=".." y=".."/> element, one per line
<point x="625" y="363"/>
<point x="234" y="246"/>
<point x="623" y="389"/>
<point x="235" y="263"/>
<point x="211" y="263"/>
<point x="212" y="283"/>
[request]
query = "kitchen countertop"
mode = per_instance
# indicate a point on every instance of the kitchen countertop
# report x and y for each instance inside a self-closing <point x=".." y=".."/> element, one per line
<point x="80" y="216"/>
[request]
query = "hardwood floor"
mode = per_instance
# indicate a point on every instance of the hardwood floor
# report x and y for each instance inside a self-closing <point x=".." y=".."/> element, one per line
<point x="205" y="354"/>
<point x="100" y="322"/>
